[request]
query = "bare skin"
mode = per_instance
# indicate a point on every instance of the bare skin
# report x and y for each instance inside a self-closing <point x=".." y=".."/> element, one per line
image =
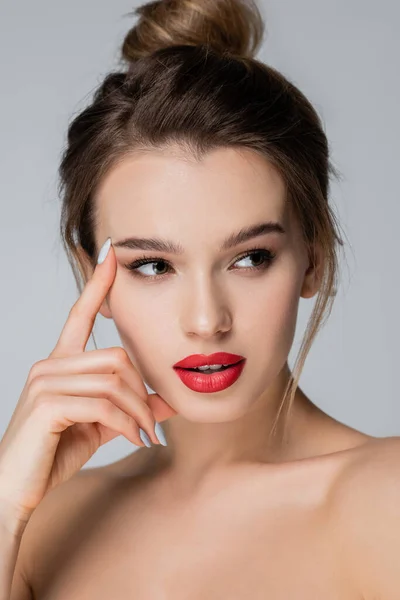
<point x="218" y="513"/>
<point x="123" y="530"/>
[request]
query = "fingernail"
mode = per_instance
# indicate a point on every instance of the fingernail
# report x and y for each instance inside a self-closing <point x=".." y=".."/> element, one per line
<point x="160" y="434"/>
<point x="104" y="251"/>
<point x="144" y="437"/>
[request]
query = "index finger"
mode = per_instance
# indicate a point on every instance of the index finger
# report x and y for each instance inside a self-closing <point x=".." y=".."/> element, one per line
<point x="78" y="327"/>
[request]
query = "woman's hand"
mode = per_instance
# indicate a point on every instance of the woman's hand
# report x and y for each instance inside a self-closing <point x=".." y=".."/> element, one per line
<point x="72" y="403"/>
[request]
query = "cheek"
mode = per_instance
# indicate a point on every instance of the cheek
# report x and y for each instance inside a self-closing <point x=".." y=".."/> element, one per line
<point x="269" y="313"/>
<point x="143" y="321"/>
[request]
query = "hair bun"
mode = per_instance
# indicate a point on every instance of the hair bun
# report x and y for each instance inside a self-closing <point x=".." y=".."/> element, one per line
<point x="228" y="26"/>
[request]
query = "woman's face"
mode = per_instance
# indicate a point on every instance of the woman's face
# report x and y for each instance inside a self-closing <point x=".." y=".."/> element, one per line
<point x="205" y="299"/>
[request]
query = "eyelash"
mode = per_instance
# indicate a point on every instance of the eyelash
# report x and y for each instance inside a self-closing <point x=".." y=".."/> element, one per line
<point x="268" y="255"/>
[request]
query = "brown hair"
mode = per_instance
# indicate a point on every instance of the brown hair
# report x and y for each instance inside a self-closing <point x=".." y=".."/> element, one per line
<point x="190" y="78"/>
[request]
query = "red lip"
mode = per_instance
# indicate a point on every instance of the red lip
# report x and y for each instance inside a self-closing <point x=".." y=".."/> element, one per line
<point x="209" y="384"/>
<point x="200" y="360"/>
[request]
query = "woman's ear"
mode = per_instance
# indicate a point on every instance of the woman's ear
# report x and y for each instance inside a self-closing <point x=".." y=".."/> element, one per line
<point x="313" y="275"/>
<point x="87" y="270"/>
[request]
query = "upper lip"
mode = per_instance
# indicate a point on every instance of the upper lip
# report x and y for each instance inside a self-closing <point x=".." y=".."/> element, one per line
<point x="200" y="360"/>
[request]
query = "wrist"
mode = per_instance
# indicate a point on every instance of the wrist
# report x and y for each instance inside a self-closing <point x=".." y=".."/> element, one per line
<point x="11" y="524"/>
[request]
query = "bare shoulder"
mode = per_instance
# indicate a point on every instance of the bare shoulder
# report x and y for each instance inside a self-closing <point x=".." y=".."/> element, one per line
<point x="365" y="509"/>
<point x="63" y="510"/>
<point x="53" y="515"/>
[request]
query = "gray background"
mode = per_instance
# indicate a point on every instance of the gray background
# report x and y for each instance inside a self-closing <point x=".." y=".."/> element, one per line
<point x="344" y="56"/>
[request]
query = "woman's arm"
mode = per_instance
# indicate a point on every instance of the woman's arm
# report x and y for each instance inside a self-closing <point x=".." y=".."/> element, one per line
<point x="12" y="582"/>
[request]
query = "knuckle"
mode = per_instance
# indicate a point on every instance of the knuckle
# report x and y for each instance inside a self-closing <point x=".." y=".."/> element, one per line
<point x="106" y="408"/>
<point x="113" y="383"/>
<point x="37" y="385"/>
<point x="119" y="355"/>
<point x="43" y="402"/>
<point x="36" y="370"/>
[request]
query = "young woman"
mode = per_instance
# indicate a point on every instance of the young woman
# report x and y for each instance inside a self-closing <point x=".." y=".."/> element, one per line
<point x="195" y="212"/>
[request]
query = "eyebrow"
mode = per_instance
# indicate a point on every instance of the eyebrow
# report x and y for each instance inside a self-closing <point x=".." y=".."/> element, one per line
<point x="169" y="247"/>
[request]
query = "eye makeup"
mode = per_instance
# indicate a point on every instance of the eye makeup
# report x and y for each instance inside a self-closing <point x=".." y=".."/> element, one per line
<point x="266" y="255"/>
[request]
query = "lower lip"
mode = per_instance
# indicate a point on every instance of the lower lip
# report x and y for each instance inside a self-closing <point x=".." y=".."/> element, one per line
<point x="207" y="384"/>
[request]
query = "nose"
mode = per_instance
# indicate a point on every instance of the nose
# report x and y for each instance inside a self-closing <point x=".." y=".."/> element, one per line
<point x="206" y="311"/>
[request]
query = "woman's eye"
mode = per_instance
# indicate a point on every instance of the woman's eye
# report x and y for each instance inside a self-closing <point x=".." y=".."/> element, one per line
<point x="158" y="268"/>
<point x="265" y="257"/>
<point x="150" y="270"/>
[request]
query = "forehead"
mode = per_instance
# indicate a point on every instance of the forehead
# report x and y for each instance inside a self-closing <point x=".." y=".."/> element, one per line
<point x="169" y="191"/>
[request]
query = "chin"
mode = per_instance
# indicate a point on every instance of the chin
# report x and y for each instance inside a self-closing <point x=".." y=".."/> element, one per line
<point x="220" y="407"/>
